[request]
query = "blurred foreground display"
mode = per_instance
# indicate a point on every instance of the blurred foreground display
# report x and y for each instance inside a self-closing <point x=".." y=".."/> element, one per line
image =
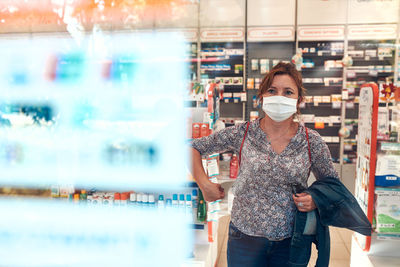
<point x="102" y="113"/>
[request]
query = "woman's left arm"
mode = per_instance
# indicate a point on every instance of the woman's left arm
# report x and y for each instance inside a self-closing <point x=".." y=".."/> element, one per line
<point x="321" y="166"/>
<point x="321" y="159"/>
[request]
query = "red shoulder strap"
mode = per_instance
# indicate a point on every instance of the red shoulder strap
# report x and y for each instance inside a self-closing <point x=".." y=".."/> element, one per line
<point x="308" y="143"/>
<point x="241" y="146"/>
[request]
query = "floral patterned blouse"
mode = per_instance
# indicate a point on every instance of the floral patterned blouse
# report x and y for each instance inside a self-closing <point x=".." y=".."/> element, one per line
<point x="263" y="204"/>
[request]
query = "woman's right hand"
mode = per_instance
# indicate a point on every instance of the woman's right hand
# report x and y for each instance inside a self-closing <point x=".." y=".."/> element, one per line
<point x="212" y="192"/>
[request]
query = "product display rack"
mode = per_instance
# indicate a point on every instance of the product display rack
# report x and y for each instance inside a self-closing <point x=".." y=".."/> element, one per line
<point x="377" y="184"/>
<point x="222" y="62"/>
<point x="261" y="57"/>
<point x="192" y="58"/>
<point x="322" y="71"/>
<point x="373" y="61"/>
<point x="322" y="77"/>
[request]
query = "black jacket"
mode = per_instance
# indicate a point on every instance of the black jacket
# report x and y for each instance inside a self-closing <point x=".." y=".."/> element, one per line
<point x="336" y="206"/>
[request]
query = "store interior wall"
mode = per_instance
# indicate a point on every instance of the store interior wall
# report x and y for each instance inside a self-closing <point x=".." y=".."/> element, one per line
<point x="204" y="14"/>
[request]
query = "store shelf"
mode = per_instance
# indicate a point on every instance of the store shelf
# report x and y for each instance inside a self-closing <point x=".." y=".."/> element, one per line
<point x="321" y="69"/>
<point x="322" y="84"/>
<point x="327" y="54"/>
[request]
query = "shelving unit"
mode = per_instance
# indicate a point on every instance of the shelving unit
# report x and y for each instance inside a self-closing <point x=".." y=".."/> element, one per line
<point x="374" y="168"/>
<point x="192" y="55"/>
<point x="222" y="63"/>
<point x="373" y="61"/>
<point x="261" y="57"/>
<point x="322" y="77"/>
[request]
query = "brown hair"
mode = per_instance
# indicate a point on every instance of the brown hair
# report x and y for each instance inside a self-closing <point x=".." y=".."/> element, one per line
<point x="282" y="69"/>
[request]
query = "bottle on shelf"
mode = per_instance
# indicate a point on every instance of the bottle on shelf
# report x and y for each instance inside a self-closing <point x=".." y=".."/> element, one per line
<point x="132" y="199"/>
<point x="181" y="201"/>
<point x="139" y="199"/>
<point x="201" y="208"/>
<point x="234" y="167"/>
<point x="189" y="205"/>
<point x="145" y="200"/>
<point x="194" y="198"/>
<point x="76" y="198"/>
<point x="124" y="199"/>
<point x="83" y="195"/>
<point x="175" y="200"/>
<point x="117" y="199"/>
<point x="160" y="202"/>
<point x="151" y="202"/>
<point x="168" y="203"/>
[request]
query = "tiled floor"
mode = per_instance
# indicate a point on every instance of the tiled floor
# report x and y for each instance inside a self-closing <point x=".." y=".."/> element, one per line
<point x="340" y="246"/>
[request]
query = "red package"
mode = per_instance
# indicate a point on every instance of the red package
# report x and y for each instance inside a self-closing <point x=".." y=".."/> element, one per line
<point x="195" y="130"/>
<point x="204" y="131"/>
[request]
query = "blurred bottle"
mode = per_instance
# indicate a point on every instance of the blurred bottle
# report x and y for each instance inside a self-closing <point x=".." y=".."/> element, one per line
<point x="132" y="199"/>
<point x="168" y="204"/>
<point x="204" y="129"/>
<point x="175" y="200"/>
<point x="234" y="167"/>
<point x="189" y="204"/>
<point x="83" y="195"/>
<point x="196" y="130"/>
<point x="145" y="200"/>
<point x="124" y="199"/>
<point x="181" y="201"/>
<point x="76" y="198"/>
<point x="194" y="203"/>
<point x="194" y="198"/>
<point x="201" y="208"/>
<point x="117" y="199"/>
<point x="152" y="203"/>
<point x="161" y="201"/>
<point x="139" y="199"/>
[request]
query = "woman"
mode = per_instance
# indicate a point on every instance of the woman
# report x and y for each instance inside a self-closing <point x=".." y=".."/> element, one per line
<point x="275" y="155"/>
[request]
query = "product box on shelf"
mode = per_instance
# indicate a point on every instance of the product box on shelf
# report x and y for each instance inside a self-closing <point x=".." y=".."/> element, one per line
<point x="387" y="210"/>
<point x="387" y="170"/>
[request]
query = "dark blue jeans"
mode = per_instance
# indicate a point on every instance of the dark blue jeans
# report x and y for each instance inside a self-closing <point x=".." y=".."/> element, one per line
<point x="253" y="251"/>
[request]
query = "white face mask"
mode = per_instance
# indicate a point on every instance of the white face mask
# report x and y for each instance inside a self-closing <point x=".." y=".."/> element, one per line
<point x="279" y="108"/>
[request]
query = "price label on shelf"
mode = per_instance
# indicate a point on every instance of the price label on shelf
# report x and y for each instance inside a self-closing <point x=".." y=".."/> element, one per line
<point x="335" y="119"/>
<point x="243" y="97"/>
<point x="336" y="105"/>
<point x="317" y="100"/>
<point x="345" y="94"/>
<point x="326" y="99"/>
<point x="373" y="73"/>
<point x="350" y="105"/>
<point x="351" y="74"/>
<point x="348" y="147"/>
